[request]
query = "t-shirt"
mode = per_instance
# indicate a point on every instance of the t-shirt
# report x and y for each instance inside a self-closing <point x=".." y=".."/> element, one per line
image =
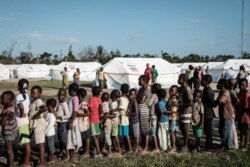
<point x="112" y="106"/>
<point x="154" y="74"/>
<point x="50" y="124"/>
<point x="73" y="107"/>
<point x="151" y="104"/>
<point x="83" y="122"/>
<point x="172" y="102"/>
<point x="94" y="104"/>
<point x="190" y="74"/>
<point x="100" y="75"/>
<point x="208" y="102"/>
<point x="35" y="108"/>
<point x="244" y="103"/>
<point x="198" y="109"/>
<point x="133" y="119"/>
<point x="185" y="96"/>
<point x="148" y="72"/>
<point x="105" y="107"/>
<point x="123" y="106"/>
<point x="26" y="105"/>
<point x="229" y="74"/>
<point x="62" y="110"/>
<point x="10" y="124"/>
<point x="162" y="105"/>
<point x="226" y="109"/>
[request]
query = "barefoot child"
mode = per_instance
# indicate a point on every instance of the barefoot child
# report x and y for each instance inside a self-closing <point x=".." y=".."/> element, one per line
<point x="197" y="118"/>
<point x="22" y="111"/>
<point x="133" y="114"/>
<point x="62" y="116"/>
<point x="50" y="128"/>
<point x="37" y="121"/>
<point x="83" y="120"/>
<point x="185" y="105"/>
<point x="94" y="106"/>
<point x="9" y="125"/>
<point x="246" y="128"/>
<point x="174" y="123"/>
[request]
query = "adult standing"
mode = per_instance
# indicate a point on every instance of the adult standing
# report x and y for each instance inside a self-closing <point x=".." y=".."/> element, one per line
<point x="154" y="74"/>
<point x="229" y="74"/>
<point x="101" y="77"/>
<point x="76" y="76"/>
<point x="148" y="73"/>
<point x="208" y="72"/>
<point x="242" y="73"/>
<point x="64" y="75"/>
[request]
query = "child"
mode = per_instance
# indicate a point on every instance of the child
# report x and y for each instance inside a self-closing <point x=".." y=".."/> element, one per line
<point x="107" y="122"/>
<point x="226" y="114"/>
<point x="62" y="116"/>
<point x="22" y="111"/>
<point x="197" y="118"/>
<point x="37" y="121"/>
<point x="153" y="118"/>
<point x="246" y="127"/>
<point x="94" y="106"/>
<point x="186" y="102"/>
<point x="133" y="114"/>
<point x="163" y="120"/>
<point x="143" y="97"/>
<point x="124" y="122"/>
<point x="242" y="107"/>
<point x="208" y="102"/>
<point x="9" y="125"/>
<point x="174" y="123"/>
<point x="83" y="120"/>
<point x="50" y="128"/>
<point x="115" y="95"/>
<point x="74" y="141"/>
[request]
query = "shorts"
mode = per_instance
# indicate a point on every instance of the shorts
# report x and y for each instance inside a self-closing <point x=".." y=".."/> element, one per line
<point x="62" y="132"/>
<point x="95" y="129"/>
<point x="153" y="125"/>
<point x="50" y="141"/>
<point x="124" y="130"/>
<point x="86" y="134"/>
<point x="185" y="118"/>
<point x="11" y="137"/>
<point x="246" y="128"/>
<point x="197" y="131"/>
<point x="115" y="128"/>
<point x="174" y="125"/>
<point x="24" y="134"/>
<point x="135" y="129"/>
<point x="39" y="133"/>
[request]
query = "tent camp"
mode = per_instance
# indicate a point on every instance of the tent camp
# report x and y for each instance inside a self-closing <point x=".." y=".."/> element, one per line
<point x="185" y="66"/>
<point x="127" y="70"/>
<point x="4" y="72"/>
<point x="210" y="65"/>
<point x="87" y="69"/>
<point x="33" y="71"/>
<point x="218" y="70"/>
<point x="12" y="68"/>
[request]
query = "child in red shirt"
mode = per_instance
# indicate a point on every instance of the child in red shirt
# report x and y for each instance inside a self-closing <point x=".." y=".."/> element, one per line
<point x="94" y="106"/>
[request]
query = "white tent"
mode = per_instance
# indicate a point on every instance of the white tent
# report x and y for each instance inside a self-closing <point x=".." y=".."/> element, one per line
<point x="12" y="68"/>
<point x="33" y="71"/>
<point x="185" y="66"/>
<point x="4" y="72"/>
<point x="218" y="70"/>
<point x="210" y="65"/>
<point x="127" y="70"/>
<point x="177" y="64"/>
<point x="87" y="69"/>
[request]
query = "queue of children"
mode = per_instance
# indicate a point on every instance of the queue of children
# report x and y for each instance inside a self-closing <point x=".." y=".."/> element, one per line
<point x="134" y="115"/>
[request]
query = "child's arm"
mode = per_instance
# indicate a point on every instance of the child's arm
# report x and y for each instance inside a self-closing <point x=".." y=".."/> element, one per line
<point x="21" y="110"/>
<point x="85" y="114"/>
<point x="202" y="116"/>
<point x="135" y="109"/>
<point x="5" y="117"/>
<point x="42" y="109"/>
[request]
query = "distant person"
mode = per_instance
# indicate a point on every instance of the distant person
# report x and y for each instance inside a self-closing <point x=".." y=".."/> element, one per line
<point x="207" y="71"/>
<point x="190" y="74"/>
<point x="64" y="75"/>
<point x="229" y="74"/>
<point x="242" y="73"/>
<point x="200" y="73"/>
<point x="76" y="76"/>
<point x="196" y="80"/>
<point x="101" y="77"/>
<point x="154" y="74"/>
<point x="148" y="73"/>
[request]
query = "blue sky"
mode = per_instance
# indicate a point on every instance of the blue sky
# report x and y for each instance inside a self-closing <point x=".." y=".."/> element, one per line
<point x="133" y="26"/>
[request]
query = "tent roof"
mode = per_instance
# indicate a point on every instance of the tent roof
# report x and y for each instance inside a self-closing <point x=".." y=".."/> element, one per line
<point x="212" y="64"/>
<point x="3" y="67"/>
<point x="34" y="67"/>
<point x="84" y="66"/>
<point x="234" y="63"/>
<point x="185" y="65"/>
<point x="138" y="65"/>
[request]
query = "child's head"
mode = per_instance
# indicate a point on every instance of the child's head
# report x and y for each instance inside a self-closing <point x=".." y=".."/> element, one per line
<point x="243" y="84"/>
<point x="124" y="89"/>
<point x="143" y="80"/>
<point x="155" y="87"/>
<point x="173" y="91"/>
<point x="62" y="93"/>
<point x="197" y="95"/>
<point x="223" y="84"/>
<point x="161" y="93"/>
<point x="73" y="89"/>
<point x="96" y="91"/>
<point x="36" y="92"/>
<point x="115" y="94"/>
<point x="105" y="97"/>
<point x="183" y="78"/>
<point x="7" y="98"/>
<point x="132" y="94"/>
<point x="51" y="105"/>
<point x="81" y="94"/>
<point x="206" y="80"/>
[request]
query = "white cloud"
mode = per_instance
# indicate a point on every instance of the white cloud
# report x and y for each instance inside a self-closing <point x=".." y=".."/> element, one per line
<point x="194" y="20"/>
